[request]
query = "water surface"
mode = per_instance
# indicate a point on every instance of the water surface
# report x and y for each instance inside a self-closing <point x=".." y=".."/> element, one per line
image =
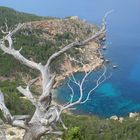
<point x="120" y="94"/>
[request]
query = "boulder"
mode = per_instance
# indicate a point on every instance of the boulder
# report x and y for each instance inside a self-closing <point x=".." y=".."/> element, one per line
<point x="114" y="117"/>
<point x="133" y="115"/>
<point x="121" y="119"/>
<point x="13" y="133"/>
<point x="74" y="17"/>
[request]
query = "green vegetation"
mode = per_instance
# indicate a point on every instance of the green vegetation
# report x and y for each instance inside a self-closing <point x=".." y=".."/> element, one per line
<point x="13" y="99"/>
<point x="13" y="17"/>
<point x="29" y="41"/>
<point x="8" y="64"/>
<point x="34" y="45"/>
<point x="95" y="128"/>
<point x="73" y="133"/>
<point x="39" y="42"/>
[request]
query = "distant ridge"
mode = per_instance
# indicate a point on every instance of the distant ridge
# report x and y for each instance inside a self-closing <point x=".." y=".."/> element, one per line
<point x="13" y="17"/>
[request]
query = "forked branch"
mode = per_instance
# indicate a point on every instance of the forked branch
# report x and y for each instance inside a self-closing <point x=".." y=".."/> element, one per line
<point x="19" y="121"/>
<point x="84" y="97"/>
<point x="46" y="114"/>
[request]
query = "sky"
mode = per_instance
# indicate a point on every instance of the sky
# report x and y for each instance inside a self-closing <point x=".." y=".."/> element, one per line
<point x="60" y="8"/>
<point x="53" y="7"/>
<point x="126" y="12"/>
<point x="86" y="9"/>
<point x="82" y="8"/>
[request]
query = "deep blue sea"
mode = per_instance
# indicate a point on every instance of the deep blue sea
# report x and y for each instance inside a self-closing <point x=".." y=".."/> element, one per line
<point x="120" y="94"/>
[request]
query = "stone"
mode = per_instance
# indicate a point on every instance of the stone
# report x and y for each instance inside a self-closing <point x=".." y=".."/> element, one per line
<point x="133" y="115"/>
<point x="114" y="117"/>
<point x="74" y="17"/>
<point x="121" y="119"/>
<point x="13" y="133"/>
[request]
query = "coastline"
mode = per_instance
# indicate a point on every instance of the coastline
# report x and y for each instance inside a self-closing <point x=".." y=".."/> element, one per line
<point x="90" y="53"/>
<point x="56" y="102"/>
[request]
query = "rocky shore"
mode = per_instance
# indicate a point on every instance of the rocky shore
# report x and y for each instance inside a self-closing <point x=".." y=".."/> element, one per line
<point x="121" y="119"/>
<point x="89" y="53"/>
<point x="69" y="30"/>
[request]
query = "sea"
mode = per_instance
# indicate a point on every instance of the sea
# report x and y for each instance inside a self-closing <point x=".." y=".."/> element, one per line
<point x="120" y="94"/>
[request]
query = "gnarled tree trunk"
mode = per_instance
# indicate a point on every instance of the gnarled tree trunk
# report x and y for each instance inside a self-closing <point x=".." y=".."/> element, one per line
<point x="47" y="114"/>
<point x="29" y="135"/>
<point x="2" y="135"/>
<point x="34" y="132"/>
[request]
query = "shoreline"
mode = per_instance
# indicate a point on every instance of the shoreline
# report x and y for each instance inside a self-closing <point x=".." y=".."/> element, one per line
<point x="56" y="102"/>
<point x="90" y="53"/>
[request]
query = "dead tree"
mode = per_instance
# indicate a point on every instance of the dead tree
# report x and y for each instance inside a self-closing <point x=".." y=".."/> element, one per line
<point x="46" y="114"/>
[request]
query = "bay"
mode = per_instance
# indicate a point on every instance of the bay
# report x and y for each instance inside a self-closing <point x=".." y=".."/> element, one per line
<point x="120" y="94"/>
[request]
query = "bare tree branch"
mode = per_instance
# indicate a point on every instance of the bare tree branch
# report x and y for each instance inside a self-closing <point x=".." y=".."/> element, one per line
<point x="47" y="88"/>
<point x="4" y="109"/>
<point x="74" y="44"/>
<point x="10" y="119"/>
<point x="46" y="114"/>
<point x="80" y="43"/>
<point x="16" y="53"/>
<point x="72" y="93"/>
<point x="80" y="86"/>
<point x="80" y="100"/>
<point x="55" y="133"/>
<point x="21" y="117"/>
<point x="62" y="123"/>
<point x="27" y="93"/>
<point x="100" y="80"/>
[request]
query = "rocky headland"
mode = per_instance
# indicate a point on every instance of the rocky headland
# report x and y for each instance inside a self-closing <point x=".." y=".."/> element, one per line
<point x="59" y="33"/>
<point x="69" y="30"/>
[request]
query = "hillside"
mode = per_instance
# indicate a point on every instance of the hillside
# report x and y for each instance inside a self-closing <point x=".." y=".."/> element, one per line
<point x="40" y="37"/>
<point x="91" y="128"/>
<point x="13" y="17"/>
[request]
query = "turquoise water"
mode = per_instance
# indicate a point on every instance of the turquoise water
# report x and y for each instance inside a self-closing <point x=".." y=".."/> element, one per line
<point x="116" y="96"/>
<point x="120" y="94"/>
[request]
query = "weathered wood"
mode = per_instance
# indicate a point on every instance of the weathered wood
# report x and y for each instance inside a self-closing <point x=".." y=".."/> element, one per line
<point x="2" y="132"/>
<point x="2" y="135"/>
<point x="46" y="115"/>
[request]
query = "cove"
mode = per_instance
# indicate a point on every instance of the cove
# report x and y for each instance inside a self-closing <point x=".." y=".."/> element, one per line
<point x="120" y="94"/>
<point x="107" y="100"/>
